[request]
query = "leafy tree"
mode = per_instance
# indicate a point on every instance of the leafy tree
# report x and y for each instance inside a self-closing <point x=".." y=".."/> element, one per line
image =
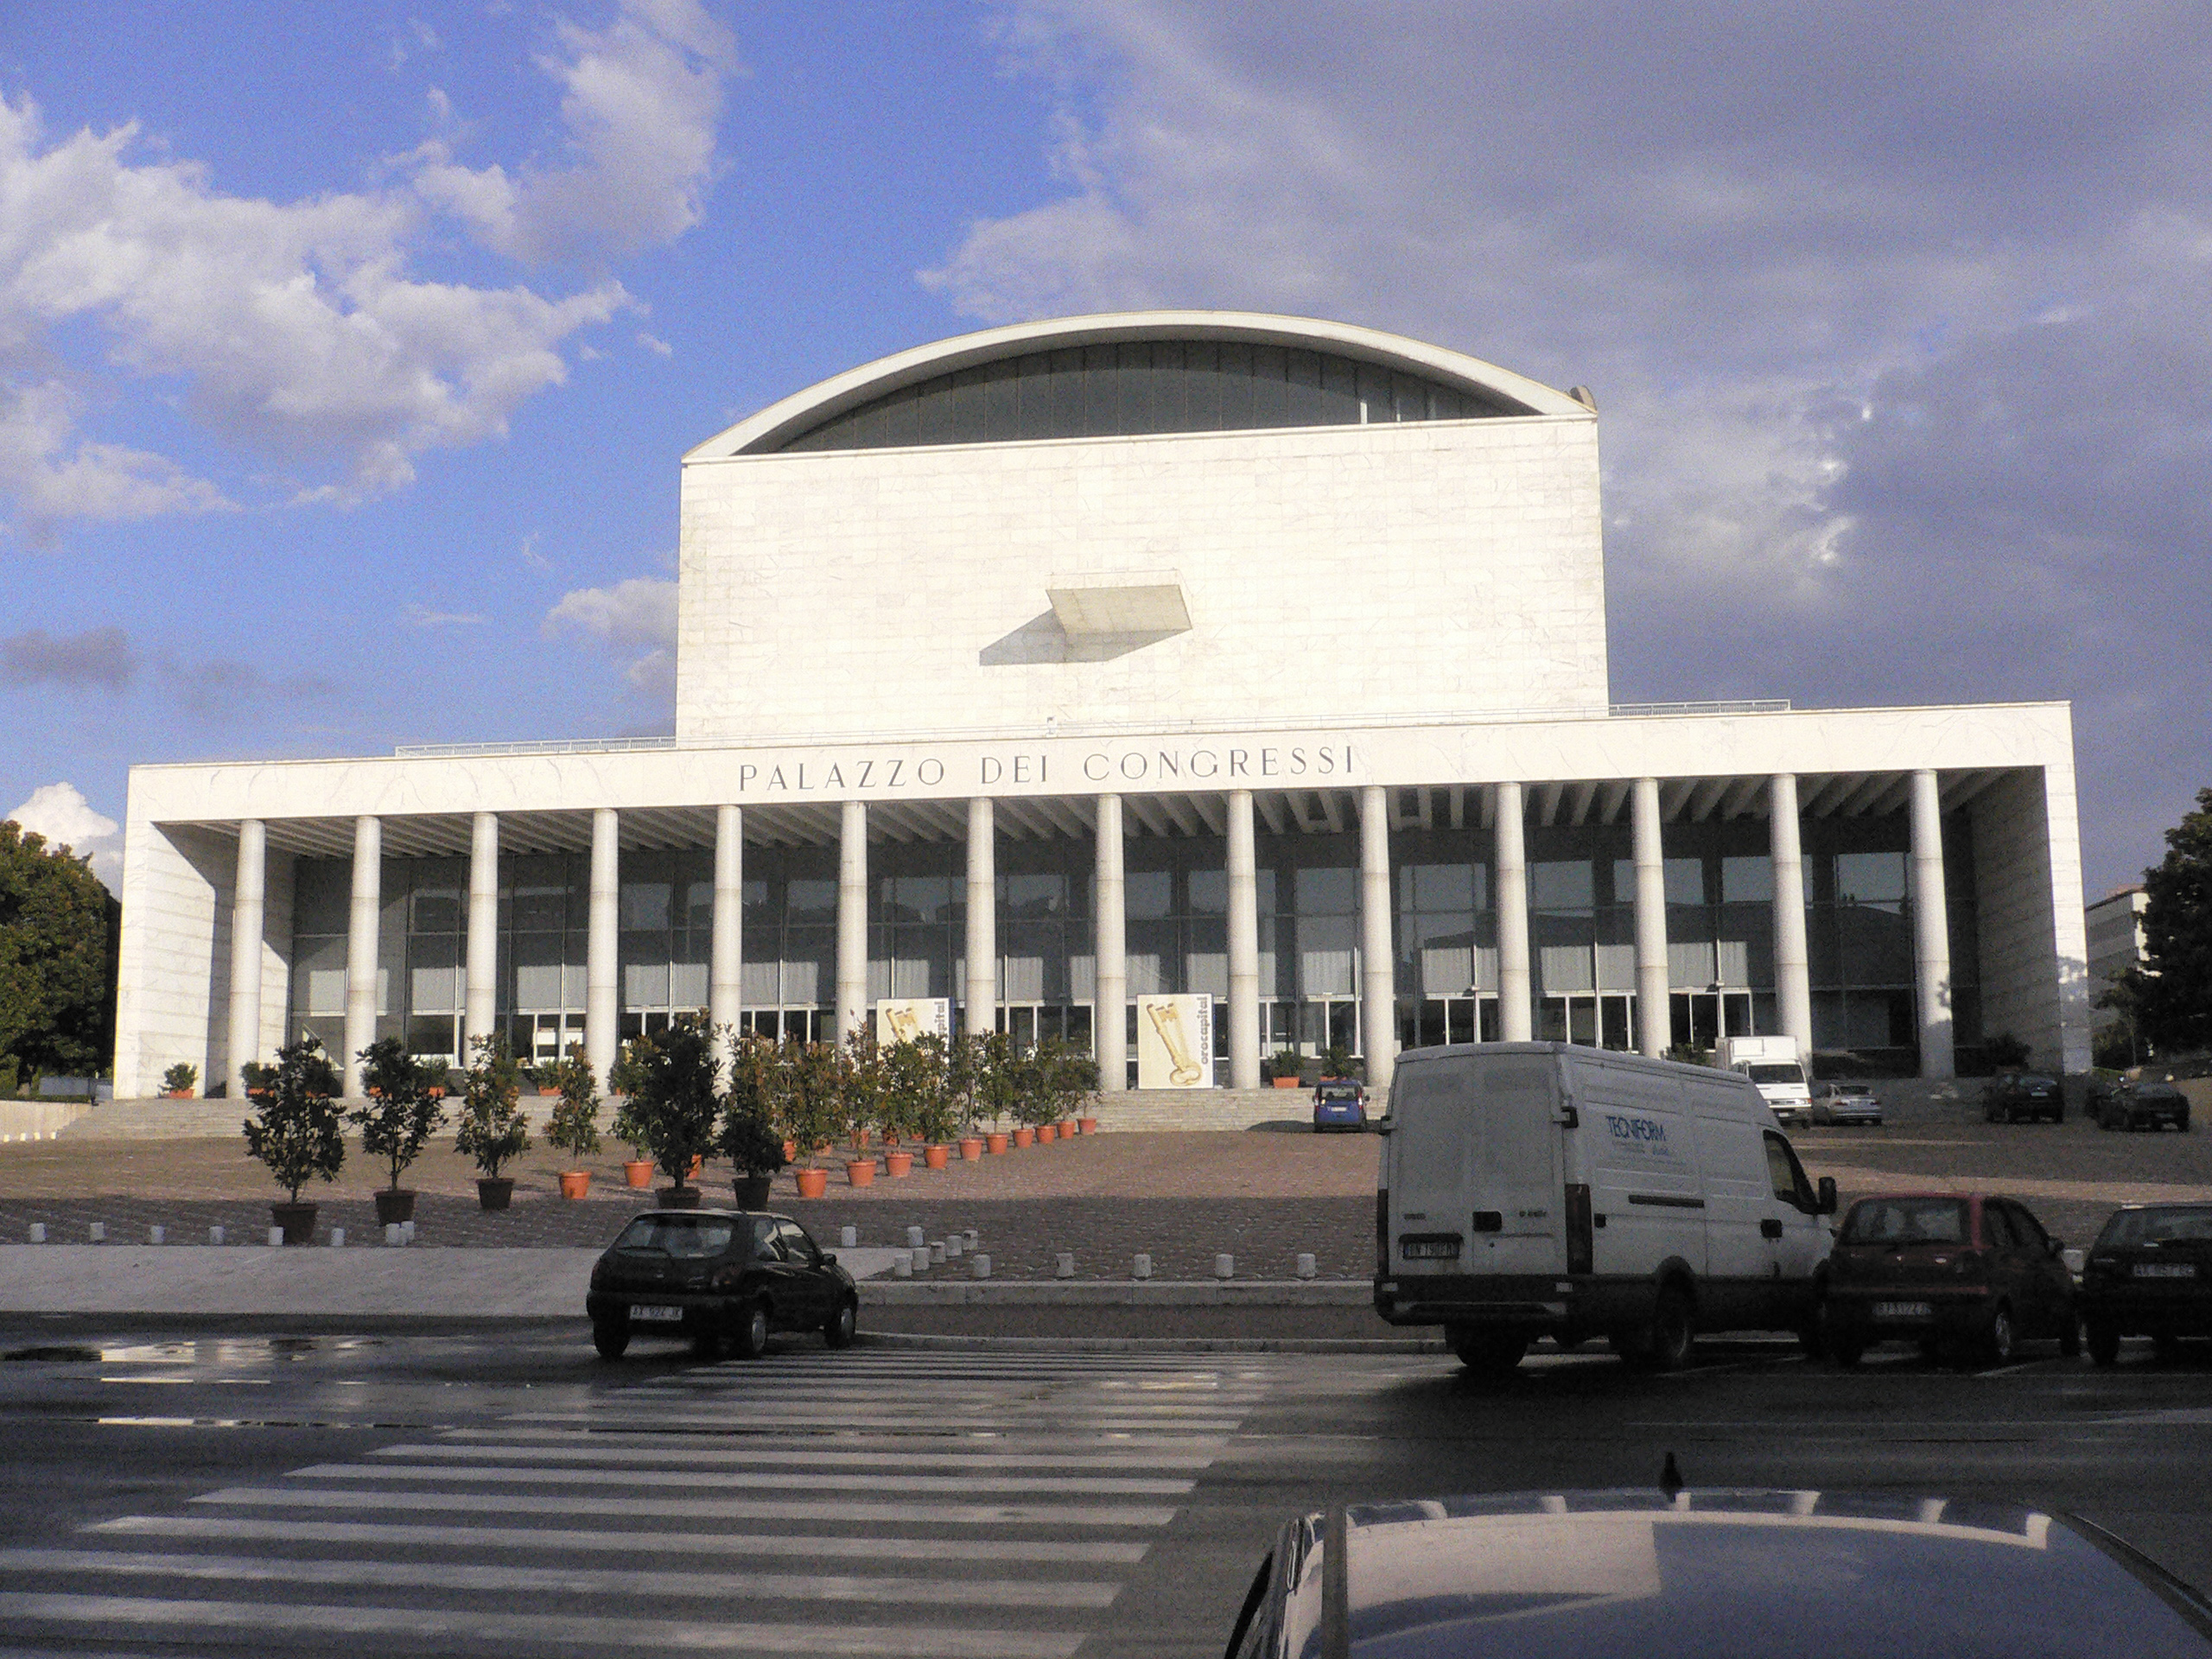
<point x="402" y="1112"/>
<point x="674" y="1105"/>
<point x="861" y="1091"/>
<point x="919" y="1099"/>
<point x="492" y="1127"/>
<point x="752" y="1135"/>
<point x="2173" y="989"/>
<point x="58" y="928"/>
<point x="996" y="1067"/>
<point x="296" y="1130"/>
<point x="575" y="1127"/>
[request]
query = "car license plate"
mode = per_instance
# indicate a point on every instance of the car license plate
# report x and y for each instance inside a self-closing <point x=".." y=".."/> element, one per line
<point x="651" y="1314"/>
<point x="2166" y="1269"/>
<point x="1415" y="1250"/>
<point x="1902" y="1310"/>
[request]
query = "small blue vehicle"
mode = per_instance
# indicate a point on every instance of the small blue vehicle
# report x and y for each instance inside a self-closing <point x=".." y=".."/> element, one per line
<point x="1340" y="1103"/>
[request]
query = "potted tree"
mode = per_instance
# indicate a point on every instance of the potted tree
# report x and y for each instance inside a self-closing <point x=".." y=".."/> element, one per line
<point x="752" y="1135"/>
<point x="675" y="1103"/>
<point x="621" y="1080"/>
<point x="997" y="1086"/>
<point x="575" y="1126"/>
<point x="1283" y="1067"/>
<point x="959" y="1096"/>
<point x="398" y="1118"/>
<point x="1338" y="1064"/>
<point x="180" y="1080"/>
<point x="860" y="1100"/>
<point x="294" y="1129"/>
<point x="1071" y="1079"/>
<point x="810" y="1110"/>
<point x="492" y="1127"/>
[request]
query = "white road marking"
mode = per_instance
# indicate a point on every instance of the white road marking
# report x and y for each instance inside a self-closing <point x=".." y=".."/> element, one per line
<point x="633" y="1449"/>
<point x="721" y="1509"/>
<point x="652" y="1479"/>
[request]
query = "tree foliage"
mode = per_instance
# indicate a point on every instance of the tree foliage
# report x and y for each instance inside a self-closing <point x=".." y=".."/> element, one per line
<point x="492" y="1127"/>
<point x="575" y="1127"/>
<point x="754" y="1111"/>
<point x="673" y="1110"/>
<point x="58" y="928"/>
<point x="295" y="1131"/>
<point x="2173" y="992"/>
<point x="402" y="1113"/>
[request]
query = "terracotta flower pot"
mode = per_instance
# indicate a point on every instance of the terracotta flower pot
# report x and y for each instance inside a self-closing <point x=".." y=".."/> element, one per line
<point x="936" y="1157"/>
<point x="1088" y="1125"/>
<point x="176" y="1094"/>
<point x="1024" y="1136"/>
<point x="297" y="1219"/>
<point x="639" y="1172"/>
<point x="997" y="1141"/>
<point x="791" y="1152"/>
<point x="1285" y="1083"/>
<point x="860" y="1172"/>
<point x="494" y="1194"/>
<point x="971" y="1148"/>
<point x="395" y="1204"/>
<point x="896" y="1164"/>
<point x="1046" y="1134"/>
<point x="698" y="1164"/>
<point x="575" y="1183"/>
<point x="547" y="1093"/>
<point x="812" y="1183"/>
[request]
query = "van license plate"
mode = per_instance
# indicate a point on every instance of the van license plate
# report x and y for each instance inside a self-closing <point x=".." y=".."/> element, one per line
<point x="1418" y="1249"/>
<point x="652" y="1315"/>
<point x="1902" y="1310"/>
<point x="2166" y="1269"/>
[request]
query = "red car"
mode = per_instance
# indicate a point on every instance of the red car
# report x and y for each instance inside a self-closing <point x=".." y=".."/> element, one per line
<point x="1962" y="1271"/>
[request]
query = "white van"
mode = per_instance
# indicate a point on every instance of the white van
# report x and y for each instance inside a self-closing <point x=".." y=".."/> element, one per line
<point x="1546" y="1188"/>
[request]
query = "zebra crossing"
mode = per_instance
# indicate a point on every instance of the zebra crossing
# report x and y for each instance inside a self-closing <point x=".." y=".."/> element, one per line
<point x="970" y="1504"/>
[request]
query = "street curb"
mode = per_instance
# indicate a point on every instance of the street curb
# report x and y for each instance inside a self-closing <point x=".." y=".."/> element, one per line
<point x="1347" y="1345"/>
<point x="1147" y="1293"/>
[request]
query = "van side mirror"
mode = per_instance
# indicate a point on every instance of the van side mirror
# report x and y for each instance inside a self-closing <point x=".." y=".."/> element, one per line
<point x="1824" y="1206"/>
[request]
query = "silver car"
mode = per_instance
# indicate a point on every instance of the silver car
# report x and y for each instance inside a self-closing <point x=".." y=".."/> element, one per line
<point x="1839" y="1103"/>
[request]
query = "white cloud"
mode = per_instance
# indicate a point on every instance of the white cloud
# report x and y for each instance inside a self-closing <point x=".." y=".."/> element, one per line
<point x="641" y="98"/>
<point x="65" y="817"/>
<point x="634" y="618"/>
<point x="422" y="616"/>
<point x="654" y="344"/>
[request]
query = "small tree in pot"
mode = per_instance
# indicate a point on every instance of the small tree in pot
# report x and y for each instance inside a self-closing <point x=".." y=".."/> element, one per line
<point x="180" y="1080"/>
<point x="492" y="1127"/>
<point x="295" y="1130"/>
<point x="675" y="1102"/>
<point x="399" y="1118"/>
<point x="575" y="1126"/>
<point x="752" y="1135"/>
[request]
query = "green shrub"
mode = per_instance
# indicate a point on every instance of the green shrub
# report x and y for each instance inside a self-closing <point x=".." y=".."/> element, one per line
<point x="295" y="1130"/>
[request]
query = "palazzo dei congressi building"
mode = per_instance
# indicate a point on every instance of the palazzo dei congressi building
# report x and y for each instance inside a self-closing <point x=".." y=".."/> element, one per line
<point x="1246" y="671"/>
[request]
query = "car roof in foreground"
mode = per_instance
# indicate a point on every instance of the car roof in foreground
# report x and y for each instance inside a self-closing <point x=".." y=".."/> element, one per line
<point x="1747" y="1574"/>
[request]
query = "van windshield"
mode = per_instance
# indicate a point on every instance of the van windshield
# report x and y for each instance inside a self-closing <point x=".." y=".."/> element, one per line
<point x="1776" y="1073"/>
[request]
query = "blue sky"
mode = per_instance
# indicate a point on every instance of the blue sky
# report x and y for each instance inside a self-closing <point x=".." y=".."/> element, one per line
<point x="344" y="369"/>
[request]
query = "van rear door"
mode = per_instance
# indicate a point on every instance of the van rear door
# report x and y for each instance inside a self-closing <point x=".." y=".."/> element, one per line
<point x="1518" y="1208"/>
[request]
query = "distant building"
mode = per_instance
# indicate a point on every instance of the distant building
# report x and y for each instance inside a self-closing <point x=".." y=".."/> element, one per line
<point x="2115" y="934"/>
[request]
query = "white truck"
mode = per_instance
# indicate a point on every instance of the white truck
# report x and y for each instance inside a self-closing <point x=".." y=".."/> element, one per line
<point x="1545" y="1189"/>
<point x="1775" y="1066"/>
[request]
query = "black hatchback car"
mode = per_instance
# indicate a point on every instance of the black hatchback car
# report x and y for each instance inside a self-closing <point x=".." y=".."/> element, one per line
<point x="2141" y="1106"/>
<point x="717" y="1275"/>
<point x="1968" y="1273"/>
<point x="2016" y="1094"/>
<point x="2149" y="1273"/>
<point x="1749" y="1574"/>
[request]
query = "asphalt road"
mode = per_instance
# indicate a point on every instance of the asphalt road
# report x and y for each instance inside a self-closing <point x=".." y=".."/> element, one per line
<point x="407" y="1491"/>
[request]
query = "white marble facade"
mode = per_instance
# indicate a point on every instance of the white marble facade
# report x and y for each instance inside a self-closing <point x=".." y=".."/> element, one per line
<point x="1391" y="634"/>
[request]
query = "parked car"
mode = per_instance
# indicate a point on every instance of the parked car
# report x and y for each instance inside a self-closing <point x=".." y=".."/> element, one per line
<point x="1839" y="1103"/>
<point x="2149" y="1273"/>
<point x="2017" y="1094"/>
<point x="1340" y="1105"/>
<point x="1948" y="1270"/>
<point x="717" y="1275"/>
<point x="1749" y="1574"/>
<point x="2140" y="1106"/>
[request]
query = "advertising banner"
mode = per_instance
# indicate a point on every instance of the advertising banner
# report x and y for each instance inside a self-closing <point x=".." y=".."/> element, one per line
<point x="902" y="1019"/>
<point x="1175" y="1042"/>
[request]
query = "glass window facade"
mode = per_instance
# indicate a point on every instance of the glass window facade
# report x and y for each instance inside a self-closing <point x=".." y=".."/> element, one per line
<point x="1136" y="387"/>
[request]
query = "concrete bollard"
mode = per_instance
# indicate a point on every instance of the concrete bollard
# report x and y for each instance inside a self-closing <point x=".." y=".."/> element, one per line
<point x="938" y="1253"/>
<point x="1063" y="1265"/>
<point x="913" y="1236"/>
<point x="38" y="1232"/>
<point x="276" y="1235"/>
<point x="1224" y="1267"/>
<point x="980" y="1266"/>
<point x="1141" y="1268"/>
<point x="99" y="1232"/>
<point x="393" y="1235"/>
<point x="214" y="1234"/>
<point x="156" y="1235"/>
<point x="1305" y="1267"/>
<point x="902" y="1267"/>
<point x="848" y="1238"/>
<point x="407" y="1230"/>
<point x="337" y="1238"/>
<point x="971" y="1235"/>
<point x="952" y="1247"/>
<point x="919" y="1256"/>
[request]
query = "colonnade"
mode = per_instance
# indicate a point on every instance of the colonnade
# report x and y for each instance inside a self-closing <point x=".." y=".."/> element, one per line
<point x="1377" y="990"/>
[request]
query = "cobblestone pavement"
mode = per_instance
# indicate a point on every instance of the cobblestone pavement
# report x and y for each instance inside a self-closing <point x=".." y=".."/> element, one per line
<point x="1182" y="1198"/>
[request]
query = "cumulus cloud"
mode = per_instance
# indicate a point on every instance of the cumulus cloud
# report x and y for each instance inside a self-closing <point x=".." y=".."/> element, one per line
<point x="640" y="98"/>
<point x="100" y="657"/>
<point x="1895" y="318"/>
<point x="66" y="818"/>
<point x="634" y="620"/>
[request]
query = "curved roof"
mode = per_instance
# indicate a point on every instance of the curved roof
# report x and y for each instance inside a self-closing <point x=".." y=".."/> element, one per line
<point x="1493" y="390"/>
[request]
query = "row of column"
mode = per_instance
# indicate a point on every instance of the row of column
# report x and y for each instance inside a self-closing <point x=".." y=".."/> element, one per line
<point x="1378" y="993"/>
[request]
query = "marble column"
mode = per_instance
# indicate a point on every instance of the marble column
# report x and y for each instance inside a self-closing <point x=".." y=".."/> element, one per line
<point x="1378" y="978"/>
<point x="1243" y="945"/>
<point x="1792" y="974"/>
<point x="1109" y="1004"/>
<point x="1653" y="1010"/>
<point x="361" y="947"/>
<point x="479" y="1001"/>
<point x="852" y="918"/>
<point x="248" y="923"/>
<point x="603" y="945"/>
<point x="726" y="954"/>
<point x="1514" y="1013"/>
<point x="1931" y="930"/>
<point x="979" y="1007"/>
